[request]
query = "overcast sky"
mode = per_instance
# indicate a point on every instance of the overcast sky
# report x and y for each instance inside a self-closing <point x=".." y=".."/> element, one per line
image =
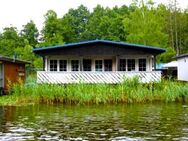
<point x="19" y="12"/>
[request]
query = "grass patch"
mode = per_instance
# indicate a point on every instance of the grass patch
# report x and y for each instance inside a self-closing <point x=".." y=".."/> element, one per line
<point x="130" y="91"/>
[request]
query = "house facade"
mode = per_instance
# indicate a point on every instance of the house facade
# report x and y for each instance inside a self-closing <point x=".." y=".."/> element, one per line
<point x="182" y="67"/>
<point x="98" y="61"/>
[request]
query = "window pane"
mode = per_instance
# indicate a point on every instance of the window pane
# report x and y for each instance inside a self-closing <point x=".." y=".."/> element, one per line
<point x="131" y="64"/>
<point x="53" y="65"/>
<point x="142" y="64"/>
<point x="98" y="65"/>
<point x="75" y="65"/>
<point x="122" y="64"/>
<point x="62" y="65"/>
<point x="87" y="65"/>
<point x="108" y="65"/>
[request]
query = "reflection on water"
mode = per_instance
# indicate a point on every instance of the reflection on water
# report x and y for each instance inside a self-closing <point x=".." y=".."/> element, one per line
<point x="115" y="122"/>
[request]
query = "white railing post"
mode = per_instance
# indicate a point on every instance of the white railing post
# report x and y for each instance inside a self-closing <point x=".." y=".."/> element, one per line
<point x="46" y="63"/>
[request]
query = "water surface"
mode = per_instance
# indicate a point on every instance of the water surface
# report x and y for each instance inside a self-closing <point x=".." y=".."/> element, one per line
<point x="114" y="122"/>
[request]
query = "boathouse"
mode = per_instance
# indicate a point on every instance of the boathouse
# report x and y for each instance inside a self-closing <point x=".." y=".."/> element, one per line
<point x="11" y="70"/>
<point x="98" y="61"/>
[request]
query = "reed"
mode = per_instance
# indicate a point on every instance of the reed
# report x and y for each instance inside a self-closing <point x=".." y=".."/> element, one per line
<point x="130" y="91"/>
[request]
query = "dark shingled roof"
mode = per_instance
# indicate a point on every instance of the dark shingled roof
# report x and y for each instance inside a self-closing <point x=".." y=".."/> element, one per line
<point x="122" y="44"/>
<point x="9" y="59"/>
<point x="180" y="56"/>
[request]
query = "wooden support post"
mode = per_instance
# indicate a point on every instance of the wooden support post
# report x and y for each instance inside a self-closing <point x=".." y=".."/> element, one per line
<point x="81" y="63"/>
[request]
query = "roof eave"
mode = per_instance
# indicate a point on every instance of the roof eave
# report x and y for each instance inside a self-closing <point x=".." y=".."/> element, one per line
<point x="8" y="59"/>
<point x="180" y="56"/>
<point x="156" y="50"/>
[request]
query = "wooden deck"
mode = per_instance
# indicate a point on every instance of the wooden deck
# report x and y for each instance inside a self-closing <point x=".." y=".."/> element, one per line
<point x="95" y="77"/>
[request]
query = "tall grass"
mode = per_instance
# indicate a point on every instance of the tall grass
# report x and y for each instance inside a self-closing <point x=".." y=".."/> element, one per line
<point x="130" y="91"/>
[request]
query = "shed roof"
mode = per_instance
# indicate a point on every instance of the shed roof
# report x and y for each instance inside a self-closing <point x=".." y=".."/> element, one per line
<point x="107" y="42"/>
<point x="181" y="56"/>
<point x="13" y="60"/>
<point x="171" y="64"/>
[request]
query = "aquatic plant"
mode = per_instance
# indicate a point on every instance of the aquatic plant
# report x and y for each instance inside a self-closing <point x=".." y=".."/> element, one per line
<point x="130" y="91"/>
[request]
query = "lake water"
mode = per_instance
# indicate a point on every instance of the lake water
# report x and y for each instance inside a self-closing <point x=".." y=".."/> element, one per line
<point x="115" y="122"/>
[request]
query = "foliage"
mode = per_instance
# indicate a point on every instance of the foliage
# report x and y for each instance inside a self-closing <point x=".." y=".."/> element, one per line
<point x="142" y="22"/>
<point x="9" y="41"/>
<point x="130" y="91"/>
<point x="105" y="23"/>
<point x="52" y="30"/>
<point x="145" y="26"/>
<point x="167" y="56"/>
<point x="74" y="24"/>
<point x="30" y="33"/>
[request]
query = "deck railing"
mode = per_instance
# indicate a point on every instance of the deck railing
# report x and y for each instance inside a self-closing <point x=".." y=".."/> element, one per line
<point x="95" y="77"/>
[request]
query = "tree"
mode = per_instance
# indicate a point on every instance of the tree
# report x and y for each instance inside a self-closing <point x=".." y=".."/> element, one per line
<point x="52" y="31"/>
<point x="93" y="28"/>
<point x="141" y="22"/>
<point x="146" y="26"/>
<point x="74" y="24"/>
<point x="30" y="32"/>
<point x="183" y="32"/>
<point x="9" y="41"/>
<point x="26" y="53"/>
<point x="106" y="23"/>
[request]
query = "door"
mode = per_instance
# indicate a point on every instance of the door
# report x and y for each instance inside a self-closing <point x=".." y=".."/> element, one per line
<point x="107" y="65"/>
<point x="1" y="76"/>
<point x="87" y="64"/>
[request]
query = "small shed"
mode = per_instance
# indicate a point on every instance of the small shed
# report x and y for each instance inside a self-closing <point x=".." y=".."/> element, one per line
<point x="182" y="67"/>
<point x="11" y="70"/>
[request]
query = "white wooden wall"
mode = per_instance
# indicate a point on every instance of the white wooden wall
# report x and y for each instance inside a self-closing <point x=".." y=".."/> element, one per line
<point x="183" y="69"/>
<point x="95" y="77"/>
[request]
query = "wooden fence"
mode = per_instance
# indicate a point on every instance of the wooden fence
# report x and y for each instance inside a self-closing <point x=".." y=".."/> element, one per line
<point x="95" y="77"/>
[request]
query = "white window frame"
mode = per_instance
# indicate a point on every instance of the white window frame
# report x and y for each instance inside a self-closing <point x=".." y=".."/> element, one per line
<point x="136" y="58"/>
<point x="50" y="65"/>
<point x="142" y="64"/>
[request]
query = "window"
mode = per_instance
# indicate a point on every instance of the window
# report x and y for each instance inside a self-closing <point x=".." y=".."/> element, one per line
<point x="98" y="65"/>
<point x="75" y="65"/>
<point x="62" y="65"/>
<point x="122" y="64"/>
<point x="87" y="64"/>
<point x="108" y="65"/>
<point x="131" y="64"/>
<point x="142" y="64"/>
<point x="53" y="65"/>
